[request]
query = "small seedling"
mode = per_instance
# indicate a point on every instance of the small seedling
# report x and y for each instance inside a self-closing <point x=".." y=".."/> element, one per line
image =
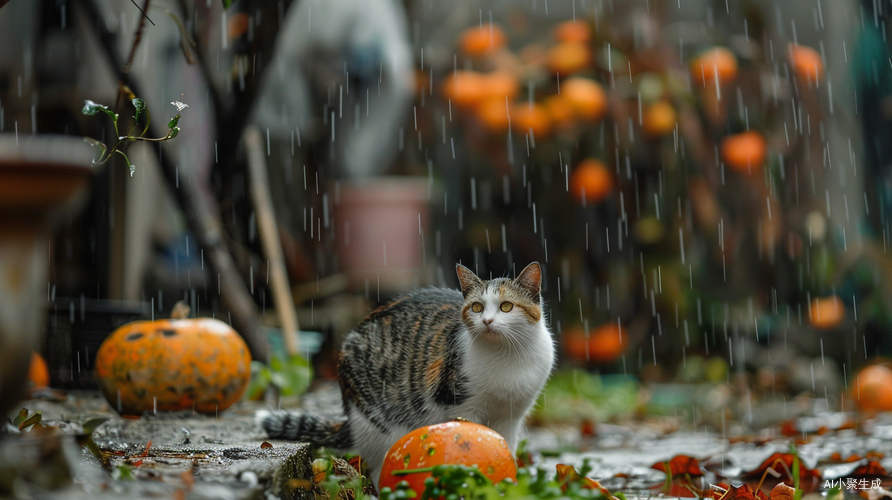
<point x="137" y="132"/>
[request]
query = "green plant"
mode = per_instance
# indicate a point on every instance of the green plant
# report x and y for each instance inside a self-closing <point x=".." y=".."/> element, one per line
<point x="290" y="377"/>
<point x="137" y="131"/>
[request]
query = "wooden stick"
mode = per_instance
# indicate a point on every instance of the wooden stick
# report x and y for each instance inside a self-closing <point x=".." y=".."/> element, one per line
<point x="269" y="238"/>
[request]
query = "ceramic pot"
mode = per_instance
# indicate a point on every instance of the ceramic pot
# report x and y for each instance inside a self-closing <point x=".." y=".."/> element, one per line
<point x="381" y="225"/>
<point x="43" y="180"/>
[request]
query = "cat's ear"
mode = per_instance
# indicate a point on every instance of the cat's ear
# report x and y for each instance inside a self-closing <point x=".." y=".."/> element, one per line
<point x="466" y="278"/>
<point x="530" y="278"/>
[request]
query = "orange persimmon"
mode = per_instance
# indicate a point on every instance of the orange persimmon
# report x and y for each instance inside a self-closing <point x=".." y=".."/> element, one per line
<point x="658" y="119"/>
<point x="38" y="373"/>
<point x="568" y="58"/>
<point x="807" y="63"/>
<point x="872" y="390"/>
<point x="173" y="364"/>
<point x="481" y="40"/>
<point x="826" y="312"/>
<point x="573" y="32"/>
<point x="449" y="443"/>
<point x="716" y="63"/>
<point x="590" y="181"/>
<point x="586" y="97"/>
<point x="744" y="152"/>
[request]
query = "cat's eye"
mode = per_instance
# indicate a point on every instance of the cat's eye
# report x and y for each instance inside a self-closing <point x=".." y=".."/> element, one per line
<point x="477" y="307"/>
<point x="506" y="306"/>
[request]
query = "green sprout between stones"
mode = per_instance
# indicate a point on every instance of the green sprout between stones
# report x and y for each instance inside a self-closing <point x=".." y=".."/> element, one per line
<point x="137" y="131"/>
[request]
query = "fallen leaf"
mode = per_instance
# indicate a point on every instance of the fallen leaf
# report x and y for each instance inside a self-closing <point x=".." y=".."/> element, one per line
<point x="871" y="469"/>
<point x="567" y="474"/>
<point x="782" y="491"/>
<point x="679" y="465"/>
<point x="783" y="464"/>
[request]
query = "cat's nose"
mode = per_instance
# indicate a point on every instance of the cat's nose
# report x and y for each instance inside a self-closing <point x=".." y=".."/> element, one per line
<point x="487" y="321"/>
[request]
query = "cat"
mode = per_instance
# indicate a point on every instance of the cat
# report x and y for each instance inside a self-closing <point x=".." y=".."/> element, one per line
<point x="433" y="355"/>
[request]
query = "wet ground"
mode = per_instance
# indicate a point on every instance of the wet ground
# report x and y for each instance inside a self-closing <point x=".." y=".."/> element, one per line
<point x="182" y="455"/>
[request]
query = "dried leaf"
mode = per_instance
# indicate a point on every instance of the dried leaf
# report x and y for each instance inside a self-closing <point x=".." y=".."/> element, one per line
<point x="679" y="465"/>
<point x="782" y="491"/>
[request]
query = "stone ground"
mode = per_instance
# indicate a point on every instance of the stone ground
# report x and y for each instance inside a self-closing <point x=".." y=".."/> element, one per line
<point x="186" y="456"/>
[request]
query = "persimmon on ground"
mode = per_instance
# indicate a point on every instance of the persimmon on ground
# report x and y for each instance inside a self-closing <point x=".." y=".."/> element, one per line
<point x="744" y="152"/>
<point x="590" y="181"/>
<point x="451" y="443"/>
<point x="173" y="364"/>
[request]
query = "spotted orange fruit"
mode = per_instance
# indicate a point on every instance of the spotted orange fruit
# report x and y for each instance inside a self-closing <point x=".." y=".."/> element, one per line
<point x="173" y="364"/>
<point x="716" y="63"/>
<point x="590" y="181"/>
<point x="744" y="152"/>
<point x="807" y="63"/>
<point x="449" y="443"/>
<point x="481" y="40"/>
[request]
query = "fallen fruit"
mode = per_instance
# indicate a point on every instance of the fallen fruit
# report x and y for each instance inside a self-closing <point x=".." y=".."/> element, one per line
<point x="175" y="364"/>
<point x="412" y="458"/>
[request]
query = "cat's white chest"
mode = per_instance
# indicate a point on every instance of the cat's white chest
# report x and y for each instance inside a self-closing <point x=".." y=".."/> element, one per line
<point x="507" y="383"/>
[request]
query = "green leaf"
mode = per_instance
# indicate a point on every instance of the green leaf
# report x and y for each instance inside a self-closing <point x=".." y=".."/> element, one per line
<point x="98" y="145"/>
<point x="139" y="106"/>
<point x="91" y="424"/>
<point x="91" y="108"/>
<point x="123" y="472"/>
<point x="227" y="4"/>
<point x="173" y="132"/>
<point x="32" y="420"/>
<point x="172" y="124"/>
<point x="23" y="414"/>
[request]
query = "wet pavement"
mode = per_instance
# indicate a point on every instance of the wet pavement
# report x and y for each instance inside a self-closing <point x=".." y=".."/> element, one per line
<point x="185" y="455"/>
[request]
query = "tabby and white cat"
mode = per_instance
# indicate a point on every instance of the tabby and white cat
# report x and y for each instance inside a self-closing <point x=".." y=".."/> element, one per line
<point x="433" y="355"/>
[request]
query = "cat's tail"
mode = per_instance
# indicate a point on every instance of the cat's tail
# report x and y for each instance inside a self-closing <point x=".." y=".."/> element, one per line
<point x="320" y="431"/>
